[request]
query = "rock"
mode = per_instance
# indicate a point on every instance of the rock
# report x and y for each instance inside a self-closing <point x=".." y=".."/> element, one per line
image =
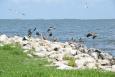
<point x="17" y="39"/>
<point x="98" y="51"/>
<point x="58" y="57"/>
<point x="80" y="63"/>
<point x="113" y="68"/>
<point x="27" y="47"/>
<point x="55" y="46"/>
<point x="83" y="62"/>
<point x="90" y="50"/>
<point x="106" y="68"/>
<point x="83" y="50"/>
<point x="80" y="56"/>
<point x="3" y="38"/>
<point x="94" y="55"/>
<point x="62" y="66"/>
<point x="106" y="55"/>
<point x="73" y="52"/>
<point x="24" y="42"/>
<point x="40" y="49"/>
<point x="55" y="52"/>
<point x="25" y="51"/>
<point x="92" y="66"/>
<point x="39" y="54"/>
<point x="29" y="55"/>
<point x="104" y="62"/>
<point x="70" y="51"/>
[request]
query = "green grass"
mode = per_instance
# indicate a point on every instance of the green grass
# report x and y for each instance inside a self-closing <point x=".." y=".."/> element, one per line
<point x="15" y="63"/>
<point x="71" y="60"/>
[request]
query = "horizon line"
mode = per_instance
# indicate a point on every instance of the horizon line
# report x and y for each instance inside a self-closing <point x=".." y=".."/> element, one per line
<point x="57" y="19"/>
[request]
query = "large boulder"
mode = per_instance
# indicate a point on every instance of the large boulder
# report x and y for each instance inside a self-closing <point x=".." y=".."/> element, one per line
<point x="104" y="62"/>
<point x="106" y="68"/>
<point x="3" y="38"/>
<point x="83" y="62"/>
<point x="113" y="68"/>
<point x="62" y="66"/>
<point x="106" y="56"/>
<point x="40" y="49"/>
<point x="39" y="54"/>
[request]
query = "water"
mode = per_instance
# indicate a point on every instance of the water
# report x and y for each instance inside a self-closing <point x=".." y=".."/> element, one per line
<point x="65" y="29"/>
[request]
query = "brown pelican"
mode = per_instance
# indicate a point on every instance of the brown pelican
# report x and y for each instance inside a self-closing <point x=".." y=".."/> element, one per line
<point x="50" y="28"/>
<point x="29" y="32"/>
<point x="50" y="34"/>
<point x="37" y="33"/>
<point x="34" y="29"/>
<point x="81" y="40"/>
<point x="92" y="34"/>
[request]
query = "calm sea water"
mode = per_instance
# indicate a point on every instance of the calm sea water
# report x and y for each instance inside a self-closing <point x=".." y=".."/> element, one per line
<point x="66" y="28"/>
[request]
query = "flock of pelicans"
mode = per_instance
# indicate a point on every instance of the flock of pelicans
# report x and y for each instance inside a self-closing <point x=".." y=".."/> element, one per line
<point x="93" y="35"/>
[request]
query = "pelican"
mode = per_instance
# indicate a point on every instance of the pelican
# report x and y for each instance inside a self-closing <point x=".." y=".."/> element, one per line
<point x="34" y="29"/>
<point x="50" y="28"/>
<point x="37" y="33"/>
<point x="93" y="34"/>
<point x="81" y="40"/>
<point x="29" y="32"/>
<point x="50" y="34"/>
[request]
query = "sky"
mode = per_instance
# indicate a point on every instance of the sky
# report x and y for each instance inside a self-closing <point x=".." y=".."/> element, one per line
<point x="57" y="9"/>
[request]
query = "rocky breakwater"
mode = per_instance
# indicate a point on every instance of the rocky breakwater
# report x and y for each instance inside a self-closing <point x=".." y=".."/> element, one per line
<point x="68" y="55"/>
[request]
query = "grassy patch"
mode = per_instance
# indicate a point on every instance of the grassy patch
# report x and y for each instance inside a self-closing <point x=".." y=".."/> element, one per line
<point x="15" y="63"/>
<point x="71" y="60"/>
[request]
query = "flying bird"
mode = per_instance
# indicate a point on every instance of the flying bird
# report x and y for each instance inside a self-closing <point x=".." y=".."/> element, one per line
<point x="23" y="14"/>
<point x="91" y="34"/>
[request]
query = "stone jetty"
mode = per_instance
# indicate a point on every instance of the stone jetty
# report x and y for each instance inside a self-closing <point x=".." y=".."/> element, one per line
<point x="66" y="56"/>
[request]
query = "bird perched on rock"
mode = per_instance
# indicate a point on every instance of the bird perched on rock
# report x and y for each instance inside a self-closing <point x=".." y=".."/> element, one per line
<point x="34" y="29"/>
<point x="81" y="40"/>
<point x="29" y="32"/>
<point x="37" y="33"/>
<point x="92" y="34"/>
<point x="50" y="34"/>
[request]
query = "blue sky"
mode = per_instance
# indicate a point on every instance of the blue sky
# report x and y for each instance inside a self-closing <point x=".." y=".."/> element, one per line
<point x="57" y="9"/>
